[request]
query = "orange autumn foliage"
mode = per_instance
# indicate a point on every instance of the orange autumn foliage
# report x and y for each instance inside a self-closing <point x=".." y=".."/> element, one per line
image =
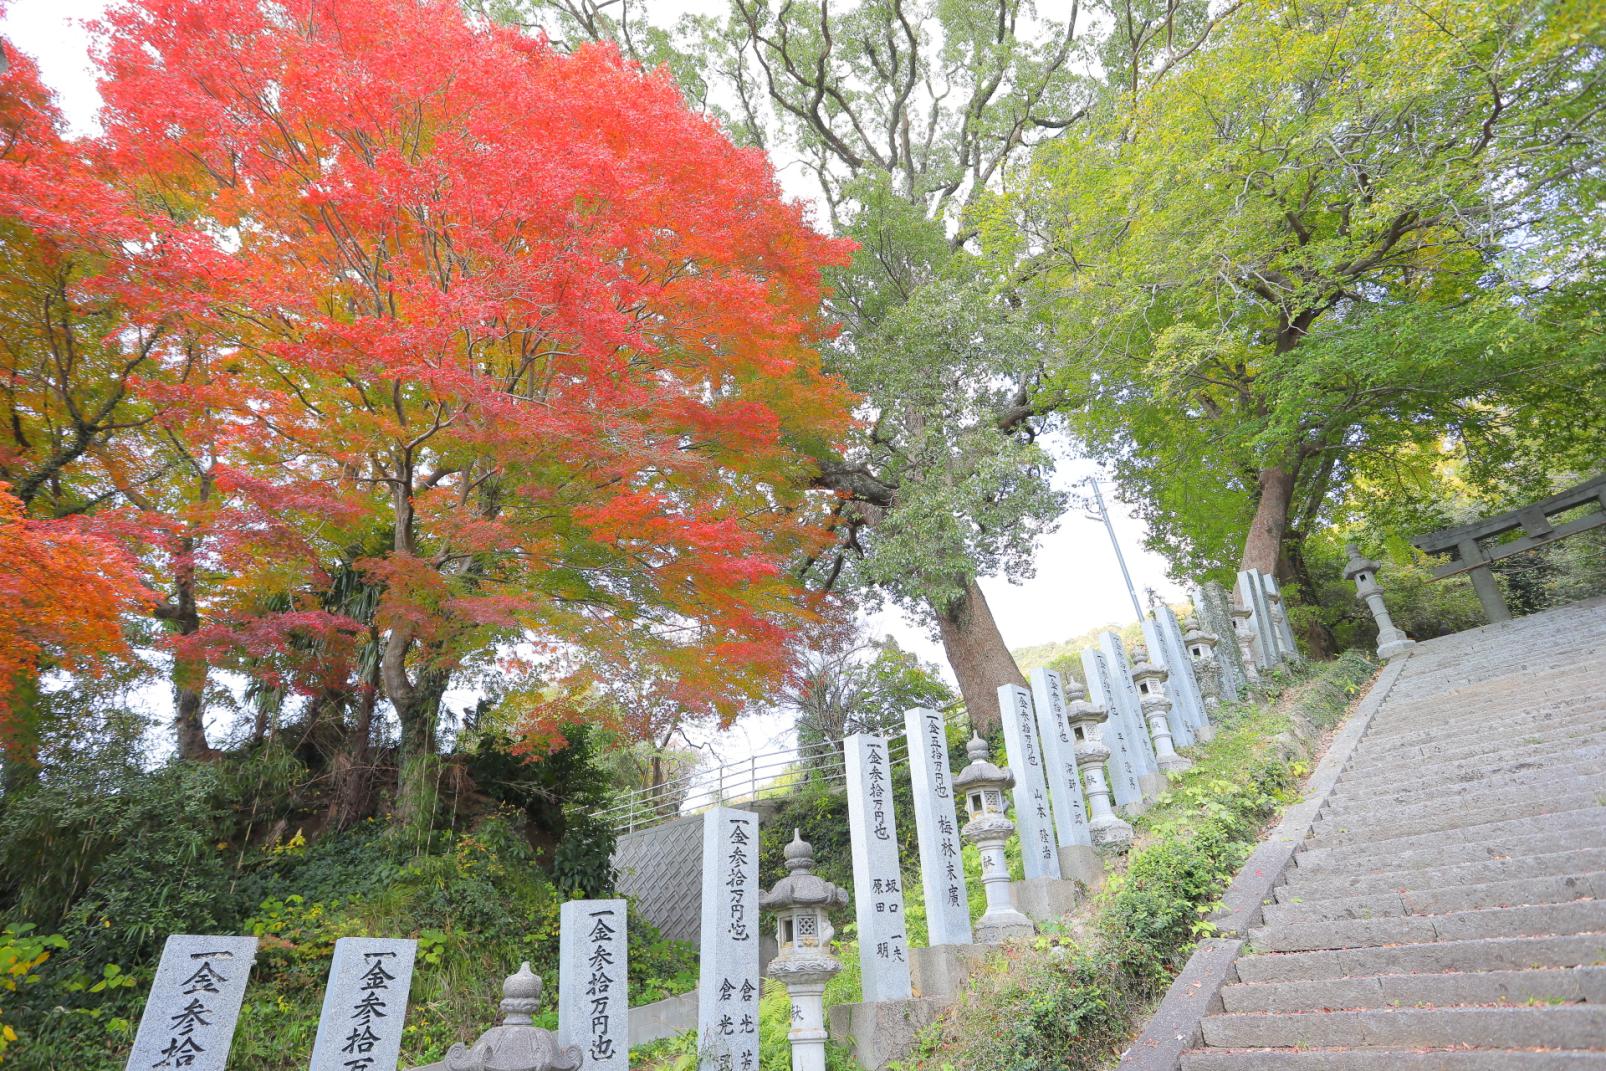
<point x="63" y="592"/>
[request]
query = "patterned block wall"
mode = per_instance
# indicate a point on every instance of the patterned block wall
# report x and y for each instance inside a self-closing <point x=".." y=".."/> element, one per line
<point x="661" y="870"/>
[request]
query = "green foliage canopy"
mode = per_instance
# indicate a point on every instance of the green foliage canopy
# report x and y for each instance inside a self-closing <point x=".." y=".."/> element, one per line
<point x="1341" y="231"/>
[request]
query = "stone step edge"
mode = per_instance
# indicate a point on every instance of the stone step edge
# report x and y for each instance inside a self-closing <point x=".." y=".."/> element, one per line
<point x="1368" y="822"/>
<point x="1562" y="741"/>
<point x="1284" y="983"/>
<point x="1593" y="880"/>
<point x="1428" y="949"/>
<point x="1473" y="832"/>
<point x="1276" y="931"/>
<point x="1398" y="880"/>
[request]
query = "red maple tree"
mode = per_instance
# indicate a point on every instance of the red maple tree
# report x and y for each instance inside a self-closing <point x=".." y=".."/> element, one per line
<point x="515" y="334"/>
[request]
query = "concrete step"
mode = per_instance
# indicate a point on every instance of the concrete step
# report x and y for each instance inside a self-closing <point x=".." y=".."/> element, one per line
<point x="1469" y="716"/>
<point x="1473" y="832"/>
<point x="1556" y="985"/>
<point x="1560" y="742"/>
<point x="1312" y="885"/>
<point x="1389" y="1060"/>
<point x="1472" y="810"/>
<point x="1558" y="889"/>
<point x="1497" y="954"/>
<point x="1575" y="1027"/>
<point x="1590" y="786"/>
<point x="1493" y="710"/>
<point x="1582" y="724"/>
<point x="1353" y="859"/>
<point x="1540" y="920"/>
<point x="1418" y="691"/>
<point x="1507" y="774"/>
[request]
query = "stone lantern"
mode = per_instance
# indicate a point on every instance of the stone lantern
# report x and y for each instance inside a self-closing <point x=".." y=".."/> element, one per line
<point x="1111" y="836"/>
<point x="1244" y="633"/>
<point x="982" y="785"/>
<point x="1201" y="646"/>
<point x="516" y="1044"/>
<point x="801" y="903"/>
<point x="1391" y="642"/>
<point x="1150" y="680"/>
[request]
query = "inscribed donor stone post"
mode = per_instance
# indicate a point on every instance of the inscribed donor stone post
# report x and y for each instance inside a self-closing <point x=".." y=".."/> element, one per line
<point x="1127" y="753"/>
<point x="594" y="982"/>
<point x="727" y="984"/>
<point x="942" y="870"/>
<point x="1033" y="820"/>
<point x="1118" y="674"/>
<point x="364" y="1005"/>
<point x="194" y="1004"/>
<point x="1177" y="661"/>
<point x="1059" y="759"/>
<point x="877" y="882"/>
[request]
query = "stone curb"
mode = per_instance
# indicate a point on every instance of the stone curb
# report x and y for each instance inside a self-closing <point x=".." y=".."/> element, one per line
<point x="1175" y="1025"/>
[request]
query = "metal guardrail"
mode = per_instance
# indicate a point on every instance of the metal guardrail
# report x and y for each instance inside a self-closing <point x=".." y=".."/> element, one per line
<point x="770" y="775"/>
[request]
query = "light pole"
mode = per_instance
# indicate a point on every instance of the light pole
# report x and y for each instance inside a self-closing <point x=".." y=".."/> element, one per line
<point x="1104" y="515"/>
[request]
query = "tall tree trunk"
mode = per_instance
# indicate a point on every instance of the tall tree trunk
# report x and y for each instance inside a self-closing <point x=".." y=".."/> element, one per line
<point x="1263" y="545"/>
<point x="977" y="655"/>
<point x="189" y="671"/>
<point x="417" y="705"/>
<point x="351" y="773"/>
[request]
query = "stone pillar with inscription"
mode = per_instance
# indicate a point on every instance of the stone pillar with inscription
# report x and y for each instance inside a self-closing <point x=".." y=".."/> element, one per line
<point x="1132" y="762"/>
<point x="515" y="1044"/>
<point x="1213" y="610"/>
<point x="1279" y="618"/>
<point x="1033" y="819"/>
<point x="1243" y="633"/>
<point x="728" y="981"/>
<point x="877" y="880"/>
<point x="982" y="785"/>
<point x="594" y="982"/>
<point x="801" y="904"/>
<point x="1263" y="636"/>
<point x="942" y="869"/>
<point x="1183" y="682"/>
<point x="1078" y="859"/>
<point x="194" y="1004"/>
<point x="1129" y="705"/>
<point x="364" y="1005"/>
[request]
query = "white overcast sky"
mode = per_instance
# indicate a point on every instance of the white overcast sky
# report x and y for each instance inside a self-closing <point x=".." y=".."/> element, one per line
<point x="1076" y="585"/>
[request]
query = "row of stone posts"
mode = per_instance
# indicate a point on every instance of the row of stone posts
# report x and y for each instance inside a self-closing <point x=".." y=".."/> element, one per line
<point x="1076" y="760"/>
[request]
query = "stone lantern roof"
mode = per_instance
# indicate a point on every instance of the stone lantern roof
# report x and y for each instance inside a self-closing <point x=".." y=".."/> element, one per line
<point x="515" y="1044"/>
<point x="1195" y="634"/>
<point x="980" y="771"/>
<point x="1143" y="669"/>
<point x="800" y="887"/>
<point x="1357" y="564"/>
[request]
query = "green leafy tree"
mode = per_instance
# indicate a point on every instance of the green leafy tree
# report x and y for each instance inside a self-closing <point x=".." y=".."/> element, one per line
<point x="905" y="113"/>
<point x="1340" y="232"/>
<point x="861" y="686"/>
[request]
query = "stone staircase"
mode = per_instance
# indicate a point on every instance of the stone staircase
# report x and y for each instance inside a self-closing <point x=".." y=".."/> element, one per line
<point x="1448" y="908"/>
